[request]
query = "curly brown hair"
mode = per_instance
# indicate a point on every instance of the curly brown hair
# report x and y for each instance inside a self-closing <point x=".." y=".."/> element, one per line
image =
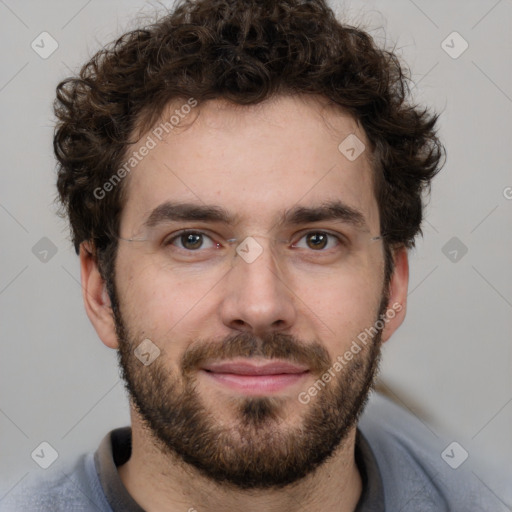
<point x="244" y="51"/>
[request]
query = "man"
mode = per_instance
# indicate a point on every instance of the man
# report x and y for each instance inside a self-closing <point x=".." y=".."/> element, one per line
<point x="243" y="180"/>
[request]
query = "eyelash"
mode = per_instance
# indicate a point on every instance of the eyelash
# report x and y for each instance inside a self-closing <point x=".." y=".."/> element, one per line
<point x="170" y="240"/>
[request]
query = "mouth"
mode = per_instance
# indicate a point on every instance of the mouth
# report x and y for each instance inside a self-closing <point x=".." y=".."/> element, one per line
<point x="255" y="377"/>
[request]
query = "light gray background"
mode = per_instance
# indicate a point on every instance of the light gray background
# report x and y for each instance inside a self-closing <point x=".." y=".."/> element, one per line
<point x="450" y="362"/>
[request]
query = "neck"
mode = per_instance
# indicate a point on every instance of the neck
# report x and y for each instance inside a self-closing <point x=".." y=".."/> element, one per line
<point x="157" y="482"/>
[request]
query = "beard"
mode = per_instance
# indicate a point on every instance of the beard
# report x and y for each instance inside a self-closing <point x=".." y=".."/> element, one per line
<point x="259" y="450"/>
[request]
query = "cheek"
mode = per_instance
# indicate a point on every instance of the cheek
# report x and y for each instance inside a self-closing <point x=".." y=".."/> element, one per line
<point x="163" y="306"/>
<point x="341" y="305"/>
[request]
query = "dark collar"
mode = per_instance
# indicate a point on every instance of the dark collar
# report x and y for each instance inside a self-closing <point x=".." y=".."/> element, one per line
<point x="114" y="450"/>
<point x="116" y="447"/>
<point x="372" y="497"/>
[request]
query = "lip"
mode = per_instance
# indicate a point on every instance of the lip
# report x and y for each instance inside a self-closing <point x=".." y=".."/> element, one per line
<point x="255" y="378"/>
<point x="241" y="367"/>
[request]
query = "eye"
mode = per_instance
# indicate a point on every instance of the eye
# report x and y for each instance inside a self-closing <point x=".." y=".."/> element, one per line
<point x="319" y="240"/>
<point x="190" y="241"/>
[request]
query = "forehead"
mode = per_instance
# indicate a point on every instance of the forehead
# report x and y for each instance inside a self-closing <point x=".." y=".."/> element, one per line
<point x="255" y="162"/>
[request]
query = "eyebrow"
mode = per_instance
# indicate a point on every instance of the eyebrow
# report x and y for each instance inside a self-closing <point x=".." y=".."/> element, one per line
<point x="327" y="211"/>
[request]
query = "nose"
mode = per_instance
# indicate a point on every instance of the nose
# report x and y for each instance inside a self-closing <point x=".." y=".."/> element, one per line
<point x="257" y="296"/>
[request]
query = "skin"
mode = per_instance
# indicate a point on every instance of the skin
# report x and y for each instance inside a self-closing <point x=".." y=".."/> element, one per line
<point x="254" y="161"/>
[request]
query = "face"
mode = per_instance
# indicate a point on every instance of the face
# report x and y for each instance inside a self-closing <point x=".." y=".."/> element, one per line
<point x="247" y="326"/>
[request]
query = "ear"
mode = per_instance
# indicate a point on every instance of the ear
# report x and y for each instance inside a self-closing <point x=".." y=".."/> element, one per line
<point x="397" y="304"/>
<point x="95" y="296"/>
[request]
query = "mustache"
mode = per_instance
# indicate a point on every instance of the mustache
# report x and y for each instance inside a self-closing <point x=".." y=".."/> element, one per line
<point x="270" y="346"/>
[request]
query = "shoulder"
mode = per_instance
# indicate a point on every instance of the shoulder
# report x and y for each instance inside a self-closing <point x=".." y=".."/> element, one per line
<point x="70" y="487"/>
<point x="417" y="470"/>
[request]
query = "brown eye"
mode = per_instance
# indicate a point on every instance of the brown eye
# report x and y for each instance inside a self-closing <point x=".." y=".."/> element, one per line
<point x="317" y="240"/>
<point x="190" y="241"/>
